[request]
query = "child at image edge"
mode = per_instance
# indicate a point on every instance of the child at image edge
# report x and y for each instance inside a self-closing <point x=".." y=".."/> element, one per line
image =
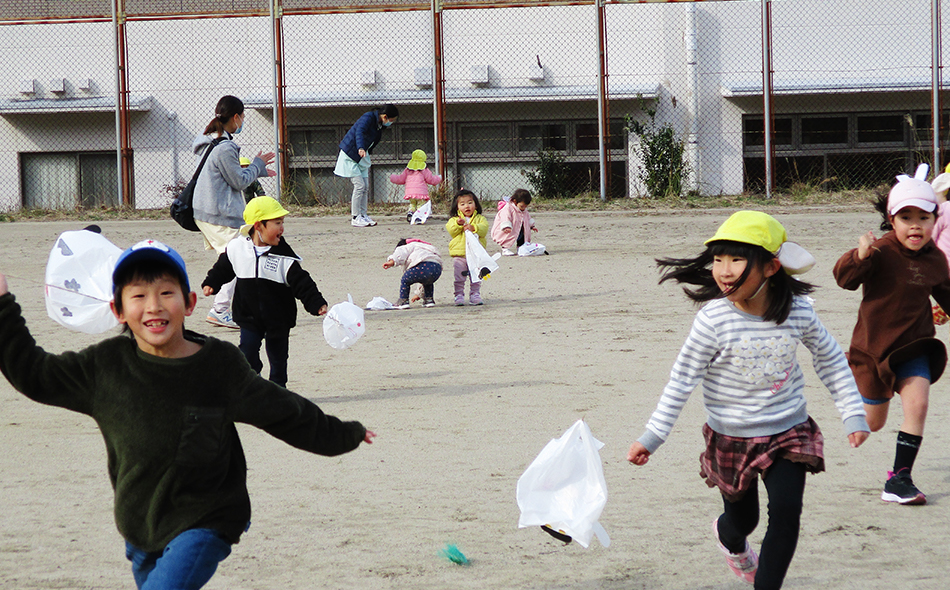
<point x="166" y="401"/>
<point x="416" y="178"/>
<point x="513" y="225"/>
<point x="893" y="348"/>
<point x="465" y="214"/>
<point x="742" y="350"/>
<point x="269" y="278"/>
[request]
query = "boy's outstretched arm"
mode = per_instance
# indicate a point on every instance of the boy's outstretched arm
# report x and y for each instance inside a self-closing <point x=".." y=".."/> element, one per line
<point x="370" y="435"/>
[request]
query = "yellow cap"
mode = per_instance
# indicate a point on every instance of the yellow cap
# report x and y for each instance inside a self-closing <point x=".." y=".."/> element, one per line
<point x="261" y="209"/>
<point x="752" y="227"/>
<point x="418" y="161"/>
<point x="245" y="161"/>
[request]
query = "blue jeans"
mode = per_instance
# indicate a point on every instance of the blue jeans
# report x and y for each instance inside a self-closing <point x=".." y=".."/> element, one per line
<point x="277" y="345"/>
<point x="186" y="563"/>
<point x="426" y="273"/>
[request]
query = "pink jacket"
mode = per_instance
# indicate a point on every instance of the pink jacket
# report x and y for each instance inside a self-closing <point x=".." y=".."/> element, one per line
<point x="416" y="181"/>
<point x="941" y="233"/>
<point x="510" y="216"/>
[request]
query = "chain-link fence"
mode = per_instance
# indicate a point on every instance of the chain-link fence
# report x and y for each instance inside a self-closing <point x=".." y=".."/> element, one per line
<point x="498" y="96"/>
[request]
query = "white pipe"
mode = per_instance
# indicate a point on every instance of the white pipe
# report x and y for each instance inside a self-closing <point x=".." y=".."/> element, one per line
<point x="692" y="73"/>
<point x="435" y="106"/>
<point x="767" y="95"/>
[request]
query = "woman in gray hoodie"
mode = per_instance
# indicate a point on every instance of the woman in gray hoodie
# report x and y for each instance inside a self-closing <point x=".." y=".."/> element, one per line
<point x="219" y="198"/>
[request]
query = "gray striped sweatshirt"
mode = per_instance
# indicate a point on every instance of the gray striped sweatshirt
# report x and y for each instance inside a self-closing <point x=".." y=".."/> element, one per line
<point x="751" y="381"/>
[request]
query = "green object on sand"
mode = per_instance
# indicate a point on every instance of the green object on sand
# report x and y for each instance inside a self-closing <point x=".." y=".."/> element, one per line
<point x="452" y="553"/>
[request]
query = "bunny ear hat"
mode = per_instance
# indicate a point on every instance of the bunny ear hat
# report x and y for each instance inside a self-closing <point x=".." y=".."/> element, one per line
<point x="913" y="192"/>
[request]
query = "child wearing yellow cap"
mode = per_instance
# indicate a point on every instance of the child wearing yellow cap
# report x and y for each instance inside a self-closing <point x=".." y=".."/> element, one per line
<point x="254" y="189"/>
<point x="893" y="346"/>
<point x="269" y="278"/>
<point x="742" y="351"/>
<point x="416" y="178"/>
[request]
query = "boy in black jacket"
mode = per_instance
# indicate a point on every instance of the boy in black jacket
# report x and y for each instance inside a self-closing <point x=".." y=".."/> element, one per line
<point x="269" y="277"/>
<point x="166" y="401"/>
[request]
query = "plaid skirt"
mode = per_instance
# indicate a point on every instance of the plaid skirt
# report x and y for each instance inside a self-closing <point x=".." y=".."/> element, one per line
<point x="731" y="463"/>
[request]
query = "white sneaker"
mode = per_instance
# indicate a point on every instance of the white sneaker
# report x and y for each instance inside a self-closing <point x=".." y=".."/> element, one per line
<point x="358" y="221"/>
<point x="369" y="220"/>
<point x="222" y="319"/>
<point x="507" y="252"/>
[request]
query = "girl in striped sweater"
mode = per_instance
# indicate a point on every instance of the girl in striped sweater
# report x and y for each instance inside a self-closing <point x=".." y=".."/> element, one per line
<point x="741" y="350"/>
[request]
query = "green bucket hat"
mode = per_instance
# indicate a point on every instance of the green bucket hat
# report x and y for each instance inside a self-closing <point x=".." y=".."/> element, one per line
<point x="418" y="161"/>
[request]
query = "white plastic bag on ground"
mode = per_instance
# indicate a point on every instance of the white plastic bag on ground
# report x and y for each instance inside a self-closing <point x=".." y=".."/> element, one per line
<point x="530" y="249"/>
<point x="422" y="214"/>
<point x="379" y="304"/>
<point x="79" y="281"/>
<point x="343" y="325"/>
<point x="480" y="264"/>
<point x="564" y="487"/>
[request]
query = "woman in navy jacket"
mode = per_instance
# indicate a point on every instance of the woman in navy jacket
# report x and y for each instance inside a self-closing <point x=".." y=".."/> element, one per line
<point x="354" y="159"/>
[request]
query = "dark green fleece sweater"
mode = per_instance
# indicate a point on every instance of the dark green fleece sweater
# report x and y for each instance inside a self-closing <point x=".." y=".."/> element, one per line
<point x="175" y="460"/>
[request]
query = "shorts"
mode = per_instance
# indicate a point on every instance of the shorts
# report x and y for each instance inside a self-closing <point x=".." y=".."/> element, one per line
<point x="216" y="237"/>
<point x="732" y="463"/>
<point x="877" y="378"/>
<point x="915" y="367"/>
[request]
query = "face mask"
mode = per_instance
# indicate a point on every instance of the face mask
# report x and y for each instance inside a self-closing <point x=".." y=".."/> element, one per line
<point x="387" y="123"/>
<point x="238" y="130"/>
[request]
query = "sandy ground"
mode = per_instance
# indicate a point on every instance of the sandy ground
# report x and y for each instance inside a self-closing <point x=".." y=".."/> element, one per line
<point x="463" y="399"/>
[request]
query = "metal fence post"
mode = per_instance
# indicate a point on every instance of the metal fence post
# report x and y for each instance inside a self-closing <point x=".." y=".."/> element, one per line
<point x="602" y="124"/>
<point x="767" y="93"/>
<point x="937" y="71"/>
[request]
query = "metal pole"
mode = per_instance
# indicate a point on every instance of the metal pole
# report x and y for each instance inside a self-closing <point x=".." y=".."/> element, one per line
<point x="767" y="92"/>
<point x="692" y="69"/>
<point x="438" y="89"/>
<point x="118" y="127"/>
<point x="937" y="67"/>
<point x="277" y="105"/>
<point x="602" y="127"/>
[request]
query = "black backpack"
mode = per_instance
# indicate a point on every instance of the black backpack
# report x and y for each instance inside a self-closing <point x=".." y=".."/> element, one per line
<point x="181" y="209"/>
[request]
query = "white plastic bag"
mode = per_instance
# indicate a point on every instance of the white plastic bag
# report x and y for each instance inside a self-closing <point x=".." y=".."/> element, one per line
<point x="480" y="264"/>
<point x="422" y="213"/>
<point x="530" y="249"/>
<point x="343" y="325"/>
<point x="79" y="281"/>
<point x="564" y="487"/>
<point x="379" y="304"/>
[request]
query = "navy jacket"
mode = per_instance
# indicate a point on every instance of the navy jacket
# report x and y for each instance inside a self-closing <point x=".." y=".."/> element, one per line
<point x="364" y="134"/>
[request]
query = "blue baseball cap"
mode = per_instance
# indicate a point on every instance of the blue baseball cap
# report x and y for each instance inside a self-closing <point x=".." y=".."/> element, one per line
<point x="151" y="250"/>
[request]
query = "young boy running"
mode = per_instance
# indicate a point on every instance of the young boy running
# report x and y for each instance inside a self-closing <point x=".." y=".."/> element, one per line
<point x="166" y="401"/>
<point x="269" y="277"/>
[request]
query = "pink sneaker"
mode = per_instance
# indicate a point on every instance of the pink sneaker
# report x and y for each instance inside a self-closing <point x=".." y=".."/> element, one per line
<point x="744" y="564"/>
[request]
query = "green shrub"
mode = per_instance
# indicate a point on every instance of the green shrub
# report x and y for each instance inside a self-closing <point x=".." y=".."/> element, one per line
<point x="665" y="171"/>
<point x="550" y="178"/>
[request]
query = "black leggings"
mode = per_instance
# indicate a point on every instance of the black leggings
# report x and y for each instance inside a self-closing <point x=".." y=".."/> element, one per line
<point x="785" y="484"/>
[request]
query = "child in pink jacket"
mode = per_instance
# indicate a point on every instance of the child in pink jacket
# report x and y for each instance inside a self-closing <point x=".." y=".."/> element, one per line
<point x="416" y="177"/>
<point x="513" y="225"/>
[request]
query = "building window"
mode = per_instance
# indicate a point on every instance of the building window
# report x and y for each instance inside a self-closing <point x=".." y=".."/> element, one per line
<point x="416" y="138"/>
<point x="824" y="130"/>
<point x="753" y="132"/>
<point x="880" y="129"/>
<point x="485" y="139"/>
<point x="534" y="137"/>
<point x="69" y="180"/>
<point x="320" y="143"/>
<point x="586" y="136"/>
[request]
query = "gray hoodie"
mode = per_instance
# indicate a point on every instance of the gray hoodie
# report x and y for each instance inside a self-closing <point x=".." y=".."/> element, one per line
<point x="218" y="193"/>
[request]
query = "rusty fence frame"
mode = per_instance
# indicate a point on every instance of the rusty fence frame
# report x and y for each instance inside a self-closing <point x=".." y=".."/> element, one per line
<point x="277" y="9"/>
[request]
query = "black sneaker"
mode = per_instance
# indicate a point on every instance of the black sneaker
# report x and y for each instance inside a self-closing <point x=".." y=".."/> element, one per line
<point x="900" y="488"/>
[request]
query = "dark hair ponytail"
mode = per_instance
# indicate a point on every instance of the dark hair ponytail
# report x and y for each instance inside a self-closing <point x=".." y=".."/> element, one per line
<point x="227" y="107"/>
